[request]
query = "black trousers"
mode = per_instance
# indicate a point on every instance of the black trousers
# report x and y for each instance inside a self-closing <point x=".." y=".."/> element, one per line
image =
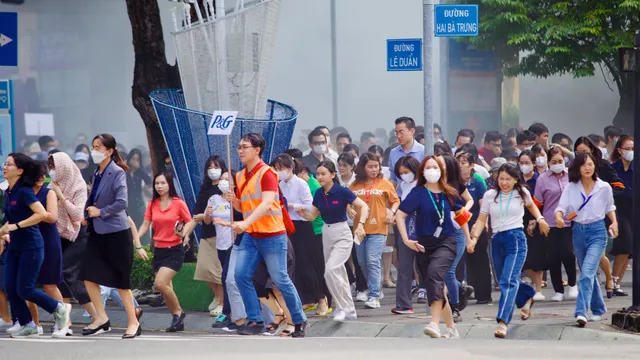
<point x="479" y="269"/>
<point x="72" y="256"/>
<point x="560" y="252"/>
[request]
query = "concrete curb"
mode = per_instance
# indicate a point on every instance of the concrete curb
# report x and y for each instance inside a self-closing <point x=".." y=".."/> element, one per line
<point x="200" y="322"/>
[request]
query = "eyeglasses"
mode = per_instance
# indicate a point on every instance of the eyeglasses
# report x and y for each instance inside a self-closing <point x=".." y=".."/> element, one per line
<point x="499" y="145"/>
<point x="246" y="147"/>
<point x="7" y="164"/>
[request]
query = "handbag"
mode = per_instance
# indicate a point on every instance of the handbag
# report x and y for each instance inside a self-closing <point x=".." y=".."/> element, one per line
<point x="286" y="219"/>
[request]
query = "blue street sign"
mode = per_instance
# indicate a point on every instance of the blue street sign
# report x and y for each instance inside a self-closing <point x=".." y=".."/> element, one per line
<point x="404" y="54"/>
<point x="456" y="20"/>
<point x="5" y="99"/>
<point x="8" y="39"/>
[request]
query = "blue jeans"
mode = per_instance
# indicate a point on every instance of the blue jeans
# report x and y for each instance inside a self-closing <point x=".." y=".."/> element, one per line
<point x="235" y="299"/>
<point x="509" y="251"/>
<point x="274" y="252"/>
<point x="369" y="254"/>
<point x="107" y="292"/>
<point x="453" y="285"/>
<point x="589" y="242"/>
<point x="21" y="271"/>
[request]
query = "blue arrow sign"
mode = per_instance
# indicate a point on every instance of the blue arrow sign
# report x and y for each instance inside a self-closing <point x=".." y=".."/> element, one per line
<point x="8" y="39"/>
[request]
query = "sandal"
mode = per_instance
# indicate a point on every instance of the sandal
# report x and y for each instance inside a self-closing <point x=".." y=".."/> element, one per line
<point x="609" y="287"/>
<point x="525" y="312"/>
<point x="273" y="327"/>
<point x="501" y="331"/>
<point x="288" y="331"/>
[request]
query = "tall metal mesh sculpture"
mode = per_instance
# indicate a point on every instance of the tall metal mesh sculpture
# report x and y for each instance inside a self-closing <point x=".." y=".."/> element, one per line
<point x="224" y="60"/>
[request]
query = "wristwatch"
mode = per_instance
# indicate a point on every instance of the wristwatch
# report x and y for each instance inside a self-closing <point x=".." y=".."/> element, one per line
<point x="540" y="218"/>
<point x="18" y="225"/>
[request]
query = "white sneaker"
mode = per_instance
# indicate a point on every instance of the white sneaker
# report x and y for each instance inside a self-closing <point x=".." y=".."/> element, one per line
<point x="372" y="303"/>
<point x="351" y="316"/>
<point x="595" y="318"/>
<point x="581" y="320"/>
<point x="573" y="292"/>
<point x="381" y="295"/>
<point x="339" y="315"/>
<point x="539" y="297"/>
<point x="14" y="329"/>
<point x="432" y="330"/>
<point x="5" y="325"/>
<point x="40" y="330"/>
<point x="451" y="334"/>
<point x="362" y="296"/>
<point x="62" y="333"/>
<point x="558" y="297"/>
<point x="216" y="311"/>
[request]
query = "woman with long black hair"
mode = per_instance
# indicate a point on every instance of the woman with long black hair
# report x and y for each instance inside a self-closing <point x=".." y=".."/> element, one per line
<point x="164" y="211"/>
<point x="505" y="205"/>
<point x="307" y="246"/>
<point x="586" y="201"/>
<point x="622" y="163"/>
<point x="433" y="201"/>
<point x="108" y="258"/>
<point x="25" y="254"/>
<point x="607" y="174"/>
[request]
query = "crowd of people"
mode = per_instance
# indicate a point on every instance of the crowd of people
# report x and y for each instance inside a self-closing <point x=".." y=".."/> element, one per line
<point x="321" y="229"/>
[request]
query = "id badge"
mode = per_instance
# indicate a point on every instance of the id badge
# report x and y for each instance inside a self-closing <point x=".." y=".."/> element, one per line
<point x="438" y="232"/>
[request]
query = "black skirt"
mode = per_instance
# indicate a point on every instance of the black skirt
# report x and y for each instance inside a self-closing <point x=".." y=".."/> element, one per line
<point x="309" y="279"/>
<point x="171" y="257"/>
<point x="262" y="280"/>
<point x="623" y="244"/>
<point x="108" y="259"/>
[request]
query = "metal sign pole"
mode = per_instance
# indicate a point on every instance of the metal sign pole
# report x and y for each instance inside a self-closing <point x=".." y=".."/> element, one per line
<point x="427" y="37"/>
<point x="231" y="179"/>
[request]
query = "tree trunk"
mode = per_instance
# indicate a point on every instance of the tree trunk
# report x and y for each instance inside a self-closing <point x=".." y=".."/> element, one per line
<point x="624" y="115"/>
<point x="151" y="71"/>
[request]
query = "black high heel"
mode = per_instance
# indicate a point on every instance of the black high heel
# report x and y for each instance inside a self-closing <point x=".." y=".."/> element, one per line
<point x="133" y="336"/>
<point x="106" y="327"/>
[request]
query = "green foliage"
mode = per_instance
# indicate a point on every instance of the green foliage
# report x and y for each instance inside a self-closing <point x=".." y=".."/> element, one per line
<point x="558" y="37"/>
<point x="142" y="274"/>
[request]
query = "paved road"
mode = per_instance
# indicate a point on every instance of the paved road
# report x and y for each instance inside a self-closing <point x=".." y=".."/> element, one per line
<point x="160" y="346"/>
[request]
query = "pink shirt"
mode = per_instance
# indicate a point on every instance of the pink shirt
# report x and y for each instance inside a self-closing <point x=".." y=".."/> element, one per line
<point x="549" y="188"/>
<point x="164" y="221"/>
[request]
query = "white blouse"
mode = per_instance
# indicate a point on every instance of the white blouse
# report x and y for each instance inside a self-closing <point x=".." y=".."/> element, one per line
<point x="298" y="195"/>
<point x="600" y="204"/>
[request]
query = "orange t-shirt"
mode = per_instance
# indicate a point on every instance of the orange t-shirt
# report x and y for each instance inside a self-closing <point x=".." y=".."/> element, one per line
<point x="379" y="196"/>
<point x="164" y="221"/>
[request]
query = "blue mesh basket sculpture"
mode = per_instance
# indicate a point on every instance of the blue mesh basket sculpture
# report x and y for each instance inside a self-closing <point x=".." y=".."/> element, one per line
<point x="185" y="132"/>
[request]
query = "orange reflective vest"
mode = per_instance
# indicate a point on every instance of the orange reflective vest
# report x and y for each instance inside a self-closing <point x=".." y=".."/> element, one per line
<point x="251" y="197"/>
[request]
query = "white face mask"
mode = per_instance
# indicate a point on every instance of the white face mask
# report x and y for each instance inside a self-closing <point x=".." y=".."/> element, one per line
<point x="528" y="147"/>
<point x="52" y="174"/>
<point x="526" y="169"/>
<point x="605" y="153"/>
<point x="518" y="151"/>
<point x="97" y="156"/>
<point x="432" y="175"/>
<point x="283" y="175"/>
<point x="557" y="168"/>
<point x="223" y="185"/>
<point x="355" y="161"/>
<point x="627" y="155"/>
<point x="541" y="161"/>
<point x="319" y="149"/>
<point x="408" y="178"/>
<point x="214" y="174"/>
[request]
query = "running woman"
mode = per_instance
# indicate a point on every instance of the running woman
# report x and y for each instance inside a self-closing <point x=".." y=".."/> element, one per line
<point x="379" y="195"/>
<point x="433" y="200"/>
<point x="164" y="211"/>
<point x="22" y="212"/>
<point x="559" y="247"/>
<point x="331" y="202"/>
<point x="505" y="205"/>
<point x="586" y="201"/>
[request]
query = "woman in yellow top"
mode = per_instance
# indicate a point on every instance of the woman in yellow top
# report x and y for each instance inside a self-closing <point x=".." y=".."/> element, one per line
<point x="380" y="195"/>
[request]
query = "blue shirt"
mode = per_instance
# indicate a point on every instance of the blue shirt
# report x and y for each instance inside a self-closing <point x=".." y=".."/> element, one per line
<point x="476" y="189"/>
<point x="16" y="209"/>
<point x="333" y="205"/>
<point x="417" y="151"/>
<point x="427" y="219"/>
<point x="626" y="177"/>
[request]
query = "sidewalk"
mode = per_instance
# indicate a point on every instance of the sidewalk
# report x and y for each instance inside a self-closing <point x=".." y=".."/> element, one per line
<point x="550" y="321"/>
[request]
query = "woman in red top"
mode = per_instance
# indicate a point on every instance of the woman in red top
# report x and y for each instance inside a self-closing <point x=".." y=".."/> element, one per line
<point x="167" y="213"/>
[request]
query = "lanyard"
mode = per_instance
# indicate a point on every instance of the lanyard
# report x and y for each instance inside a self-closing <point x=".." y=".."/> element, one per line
<point x="368" y="194"/>
<point x="585" y="200"/>
<point x="440" y="214"/>
<point x="503" y="215"/>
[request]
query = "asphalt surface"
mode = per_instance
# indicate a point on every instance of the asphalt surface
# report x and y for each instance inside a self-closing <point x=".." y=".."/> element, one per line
<point x="161" y="346"/>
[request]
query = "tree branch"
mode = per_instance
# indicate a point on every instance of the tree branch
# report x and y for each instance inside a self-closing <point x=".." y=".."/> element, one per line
<point x="605" y="77"/>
